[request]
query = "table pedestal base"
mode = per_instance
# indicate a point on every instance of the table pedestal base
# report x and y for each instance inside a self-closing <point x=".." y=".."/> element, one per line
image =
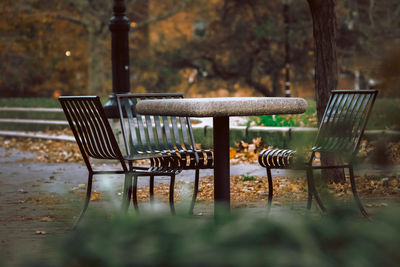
<point x="221" y="160"/>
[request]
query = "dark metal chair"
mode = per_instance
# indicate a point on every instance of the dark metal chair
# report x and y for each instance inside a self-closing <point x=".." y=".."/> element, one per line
<point x="96" y="140"/>
<point x="339" y="135"/>
<point x="170" y="136"/>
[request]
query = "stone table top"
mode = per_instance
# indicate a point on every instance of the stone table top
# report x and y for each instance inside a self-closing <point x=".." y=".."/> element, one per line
<point x="222" y="106"/>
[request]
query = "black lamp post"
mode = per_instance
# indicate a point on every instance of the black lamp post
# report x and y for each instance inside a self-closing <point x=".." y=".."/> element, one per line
<point x="119" y="27"/>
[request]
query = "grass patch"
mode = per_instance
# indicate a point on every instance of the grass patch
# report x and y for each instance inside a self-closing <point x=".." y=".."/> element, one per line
<point x="30" y="102"/>
<point x="35" y="115"/>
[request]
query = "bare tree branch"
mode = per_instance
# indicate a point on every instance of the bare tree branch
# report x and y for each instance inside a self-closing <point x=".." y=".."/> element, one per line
<point x="371" y="12"/>
<point x="166" y="15"/>
<point x="67" y="18"/>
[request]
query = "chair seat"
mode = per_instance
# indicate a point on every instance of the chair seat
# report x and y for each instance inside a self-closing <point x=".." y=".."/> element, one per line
<point x="276" y="158"/>
<point x="144" y="156"/>
<point x="160" y="162"/>
<point x="159" y="170"/>
<point x="188" y="158"/>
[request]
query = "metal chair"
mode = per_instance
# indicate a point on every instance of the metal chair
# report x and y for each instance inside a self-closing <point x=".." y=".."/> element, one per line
<point x="339" y="135"/>
<point x="170" y="136"/>
<point x="96" y="140"/>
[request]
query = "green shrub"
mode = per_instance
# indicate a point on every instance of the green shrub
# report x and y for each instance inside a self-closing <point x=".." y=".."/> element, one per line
<point x="307" y="119"/>
<point x="340" y="238"/>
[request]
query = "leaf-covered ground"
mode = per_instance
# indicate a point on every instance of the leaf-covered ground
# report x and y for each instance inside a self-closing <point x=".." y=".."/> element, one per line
<point x="243" y="188"/>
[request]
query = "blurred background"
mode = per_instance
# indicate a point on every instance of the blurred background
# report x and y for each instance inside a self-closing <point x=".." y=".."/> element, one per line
<point x="199" y="47"/>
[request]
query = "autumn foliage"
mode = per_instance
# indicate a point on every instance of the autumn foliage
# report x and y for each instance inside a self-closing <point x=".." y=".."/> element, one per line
<point x="207" y="47"/>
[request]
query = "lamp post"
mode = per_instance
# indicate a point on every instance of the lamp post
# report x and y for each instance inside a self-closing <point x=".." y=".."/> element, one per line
<point x="119" y="27"/>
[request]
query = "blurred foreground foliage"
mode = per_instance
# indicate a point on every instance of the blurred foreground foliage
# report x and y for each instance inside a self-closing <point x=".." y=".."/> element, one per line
<point x="340" y="238"/>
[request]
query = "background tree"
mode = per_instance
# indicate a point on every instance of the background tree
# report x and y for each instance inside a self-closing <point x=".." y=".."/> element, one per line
<point x="35" y="59"/>
<point x="368" y="35"/>
<point x="324" y="28"/>
<point x="241" y="46"/>
<point x="82" y="24"/>
<point x="236" y="45"/>
<point x="94" y="17"/>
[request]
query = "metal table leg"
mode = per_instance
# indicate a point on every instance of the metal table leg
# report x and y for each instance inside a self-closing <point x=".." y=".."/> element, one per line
<point x="221" y="165"/>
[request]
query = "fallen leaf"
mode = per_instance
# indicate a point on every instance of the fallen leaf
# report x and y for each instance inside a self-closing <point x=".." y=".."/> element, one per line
<point x="46" y="219"/>
<point x="257" y="142"/>
<point x="251" y="148"/>
<point x="41" y="232"/>
<point x="394" y="182"/>
<point x="232" y="153"/>
<point x="94" y="196"/>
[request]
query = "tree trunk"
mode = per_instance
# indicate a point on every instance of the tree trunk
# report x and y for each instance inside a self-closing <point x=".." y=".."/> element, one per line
<point x="276" y="85"/>
<point x="96" y="53"/>
<point x="324" y="29"/>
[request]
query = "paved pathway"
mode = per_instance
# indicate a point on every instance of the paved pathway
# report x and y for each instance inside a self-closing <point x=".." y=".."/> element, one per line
<point x="35" y="197"/>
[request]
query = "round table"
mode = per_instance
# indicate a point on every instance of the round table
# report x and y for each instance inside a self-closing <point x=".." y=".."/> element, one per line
<point x="221" y="109"/>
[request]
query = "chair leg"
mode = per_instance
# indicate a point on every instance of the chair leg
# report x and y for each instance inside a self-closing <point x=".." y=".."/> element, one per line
<point x="87" y="200"/>
<point x="127" y="194"/>
<point x="171" y="194"/>
<point x="134" y="192"/>
<point x="355" y="194"/>
<point x="195" y="191"/>
<point x="152" y="189"/>
<point x="270" y="189"/>
<point x="310" y="181"/>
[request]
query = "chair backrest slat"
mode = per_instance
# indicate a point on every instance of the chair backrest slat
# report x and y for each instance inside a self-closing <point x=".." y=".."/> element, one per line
<point x="91" y="128"/>
<point x="76" y="124"/>
<point x="155" y="133"/>
<point x="160" y="134"/>
<point x="344" y="120"/>
<point x="142" y="134"/>
<point x="102" y="135"/>
<point x="167" y="132"/>
<point x="339" y="112"/>
<point x="85" y="128"/>
<point x="176" y="134"/>
<point x="174" y="138"/>
<point x="92" y="131"/>
<point x="124" y="106"/>
<point x="150" y="134"/>
<point x="185" y="134"/>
